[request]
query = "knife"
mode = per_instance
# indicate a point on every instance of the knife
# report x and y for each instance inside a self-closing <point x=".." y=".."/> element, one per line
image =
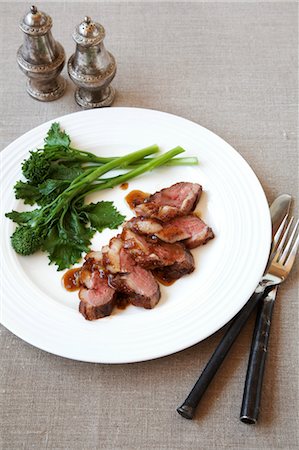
<point x="259" y="345"/>
<point x="257" y="359"/>
<point x="278" y="210"/>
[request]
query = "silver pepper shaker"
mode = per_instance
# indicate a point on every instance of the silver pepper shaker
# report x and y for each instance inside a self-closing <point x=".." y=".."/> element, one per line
<point x="40" y="57"/>
<point x="92" y="67"/>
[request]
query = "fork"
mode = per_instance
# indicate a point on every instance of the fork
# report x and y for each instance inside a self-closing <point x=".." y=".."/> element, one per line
<point x="278" y="270"/>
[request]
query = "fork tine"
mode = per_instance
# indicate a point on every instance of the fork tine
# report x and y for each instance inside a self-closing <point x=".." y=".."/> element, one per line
<point x="292" y="253"/>
<point x="278" y="235"/>
<point x="281" y="245"/>
<point x="287" y="247"/>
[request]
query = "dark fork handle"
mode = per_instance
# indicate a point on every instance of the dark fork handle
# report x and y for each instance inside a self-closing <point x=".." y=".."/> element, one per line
<point x="187" y="409"/>
<point x="256" y="363"/>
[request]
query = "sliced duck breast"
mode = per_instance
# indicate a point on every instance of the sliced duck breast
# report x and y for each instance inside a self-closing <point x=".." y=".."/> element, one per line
<point x="190" y="229"/>
<point x="144" y="225"/>
<point x="110" y="254"/>
<point x="176" y="270"/>
<point x="153" y="253"/>
<point x="138" y="284"/>
<point x="177" y="200"/>
<point x="97" y="298"/>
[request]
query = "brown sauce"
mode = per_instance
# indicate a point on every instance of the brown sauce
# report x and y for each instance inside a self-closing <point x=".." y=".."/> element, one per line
<point x="196" y="214"/>
<point x="71" y="279"/>
<point x="124" y="186"/>
<point x="164" y="282"/>
<point x="136" y="197"/>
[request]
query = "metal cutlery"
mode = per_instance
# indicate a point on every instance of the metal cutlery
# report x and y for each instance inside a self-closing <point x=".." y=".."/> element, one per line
<point x="278" y="210"/>
<point x="276" y="273"/>
<point x="259" y="345"/>
<point x="257" y="359"/>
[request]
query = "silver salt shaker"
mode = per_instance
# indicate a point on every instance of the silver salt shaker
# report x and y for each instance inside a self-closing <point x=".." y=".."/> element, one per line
<point x="40" y="57"/>
<point x="92" y="67"/>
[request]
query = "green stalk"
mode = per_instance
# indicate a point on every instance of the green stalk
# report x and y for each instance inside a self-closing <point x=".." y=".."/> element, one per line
<point x="187" y="161"/>
<point x="82" y="180"/>
<point x="90" y="157"/>
<point x="84" y="156"/>
<point x="92" y="175"/>
<point x="114" y="164"/>
<point x="80" y="155"/>
<point x="155" y="162"/>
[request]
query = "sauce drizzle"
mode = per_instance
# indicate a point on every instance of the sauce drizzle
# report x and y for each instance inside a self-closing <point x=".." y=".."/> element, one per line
<point x="71" y="279"/>
<point x="136" y="197"/>
<point x="161" y="280"/>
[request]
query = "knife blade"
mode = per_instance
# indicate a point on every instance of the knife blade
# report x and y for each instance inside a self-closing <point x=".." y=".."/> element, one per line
<point x="278" y="210"/>
<point x="260" y="339"/>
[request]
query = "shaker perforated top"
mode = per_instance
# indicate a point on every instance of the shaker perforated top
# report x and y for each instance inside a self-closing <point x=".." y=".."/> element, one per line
<point x="88" y="32"/>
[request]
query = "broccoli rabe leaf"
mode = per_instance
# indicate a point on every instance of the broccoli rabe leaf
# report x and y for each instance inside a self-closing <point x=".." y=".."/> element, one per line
<point x="69" y="238"/>
<point x="102" y="215"/>
<point x="63" y="172"/>
<point x="50" y="190"/>
<point x="24" y="217"/>
<point x="63" y="251"/>
<point x="65" y="244"/>
<point x="49" y="186"/>
<point x="77" y="229"/>
<point x="42" y="194"/>
<point x="27" y="192"/>
<point x="56" y="137"/>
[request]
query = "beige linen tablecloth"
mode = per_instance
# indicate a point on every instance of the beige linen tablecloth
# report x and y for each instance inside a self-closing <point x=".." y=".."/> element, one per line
<point x="231" y="67"/>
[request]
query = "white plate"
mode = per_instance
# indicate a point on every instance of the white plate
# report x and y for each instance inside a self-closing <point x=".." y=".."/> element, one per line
<point x="36" y="308"/>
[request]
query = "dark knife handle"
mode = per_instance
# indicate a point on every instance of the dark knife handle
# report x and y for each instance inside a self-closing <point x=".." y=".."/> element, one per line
<point x="187" y="409"/>
<point x="256" y="363"/>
